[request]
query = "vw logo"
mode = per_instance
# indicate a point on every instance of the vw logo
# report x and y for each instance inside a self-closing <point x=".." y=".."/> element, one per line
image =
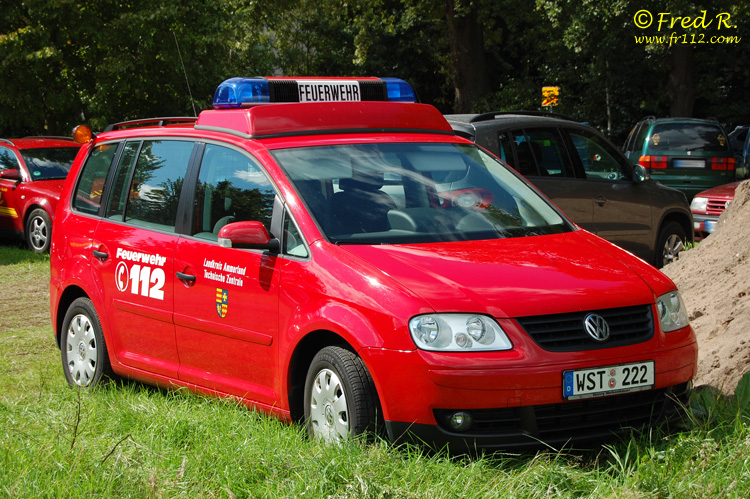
<point x="597" y="327"/>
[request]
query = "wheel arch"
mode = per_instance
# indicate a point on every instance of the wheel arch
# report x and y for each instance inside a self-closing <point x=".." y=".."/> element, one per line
<point x="37" y="204"/>
<point x="300" y="361"/>
<point x="684" y="219"/>
<point x="68" y="296"/>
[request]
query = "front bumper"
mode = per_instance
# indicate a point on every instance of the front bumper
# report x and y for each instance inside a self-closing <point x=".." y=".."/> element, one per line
<point x="553" y="426"/>
<point x="521" y="405"/>
<point x="704" y="223"/>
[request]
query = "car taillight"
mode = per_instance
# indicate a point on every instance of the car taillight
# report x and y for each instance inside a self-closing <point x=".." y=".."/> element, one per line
<point x="659" y="162"/>
<point x="722" y="163"/>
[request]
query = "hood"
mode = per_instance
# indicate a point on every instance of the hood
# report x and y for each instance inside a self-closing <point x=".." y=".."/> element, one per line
<point x="514" y="277"/>
<point x="725" y="191"/>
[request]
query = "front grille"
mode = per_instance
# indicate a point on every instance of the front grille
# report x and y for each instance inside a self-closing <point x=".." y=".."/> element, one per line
<point x="566" y="332"/>
<point x="575" y="420"/>
<point x="716" y="206"/>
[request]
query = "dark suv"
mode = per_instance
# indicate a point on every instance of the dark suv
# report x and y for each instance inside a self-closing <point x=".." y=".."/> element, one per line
<point x="588" y="178"/>
<point x="688" y="154"/>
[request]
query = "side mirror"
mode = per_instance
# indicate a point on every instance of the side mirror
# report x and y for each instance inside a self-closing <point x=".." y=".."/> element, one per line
<point x="251" y="235"/>
<point x="640" y="174"/>
<point x="10" y="174"/>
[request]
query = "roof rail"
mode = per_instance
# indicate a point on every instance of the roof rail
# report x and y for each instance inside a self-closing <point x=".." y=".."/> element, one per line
<point x="178" y="120"/>
<point x="492" y="115"/>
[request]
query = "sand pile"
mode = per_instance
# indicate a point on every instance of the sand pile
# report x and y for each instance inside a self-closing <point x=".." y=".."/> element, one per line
<point x="714" y="280"/>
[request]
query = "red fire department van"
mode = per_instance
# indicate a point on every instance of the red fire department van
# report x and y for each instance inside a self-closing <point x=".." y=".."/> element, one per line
<point x="330" y="252"/>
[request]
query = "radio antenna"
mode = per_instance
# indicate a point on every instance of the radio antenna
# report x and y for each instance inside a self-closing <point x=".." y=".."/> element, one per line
<point x="187" y="82"/>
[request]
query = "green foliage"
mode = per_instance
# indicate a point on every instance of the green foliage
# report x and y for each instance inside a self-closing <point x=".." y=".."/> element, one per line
<point x="103" y="61"/>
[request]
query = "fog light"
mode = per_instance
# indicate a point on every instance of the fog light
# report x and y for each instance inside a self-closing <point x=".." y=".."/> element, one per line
<point x="461" y="421"/>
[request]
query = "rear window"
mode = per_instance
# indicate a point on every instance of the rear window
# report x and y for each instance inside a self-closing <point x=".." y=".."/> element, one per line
<point x="688" y="137"/>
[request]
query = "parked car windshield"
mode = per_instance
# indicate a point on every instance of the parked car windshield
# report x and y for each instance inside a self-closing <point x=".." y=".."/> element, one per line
<point x="688" y="137"/>
<point x="415" y="192"/>
<point x="49" y="163"/>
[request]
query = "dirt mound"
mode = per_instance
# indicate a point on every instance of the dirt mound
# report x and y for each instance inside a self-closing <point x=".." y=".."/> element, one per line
<point x="714" y="281"/>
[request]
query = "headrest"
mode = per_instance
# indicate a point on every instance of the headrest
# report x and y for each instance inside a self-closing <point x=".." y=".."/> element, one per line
<point x="363" y="181"/>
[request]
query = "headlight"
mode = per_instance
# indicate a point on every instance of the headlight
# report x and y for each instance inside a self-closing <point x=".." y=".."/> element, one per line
<point x="672" y="312"/>
<point x="699" y="204"/>
<point x="458" y="333"/>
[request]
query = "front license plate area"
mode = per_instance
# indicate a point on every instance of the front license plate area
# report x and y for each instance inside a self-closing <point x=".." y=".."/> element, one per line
<point x="609" y="380"/>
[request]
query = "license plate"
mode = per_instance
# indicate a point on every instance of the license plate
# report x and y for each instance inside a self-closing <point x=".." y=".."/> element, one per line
<point x="688" y="163"/>
<point x="599" y="381"/>
<point x="710" y="225"/>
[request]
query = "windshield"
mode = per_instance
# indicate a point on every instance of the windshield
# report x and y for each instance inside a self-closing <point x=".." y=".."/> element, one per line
<point x="688" y="137"/>
<point x="49" y="163"/>
<point x="415" y="192"/>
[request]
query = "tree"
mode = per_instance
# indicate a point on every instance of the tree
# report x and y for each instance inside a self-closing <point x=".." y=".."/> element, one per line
<point x="103" y="61"/>
<point x="467" y="59"/>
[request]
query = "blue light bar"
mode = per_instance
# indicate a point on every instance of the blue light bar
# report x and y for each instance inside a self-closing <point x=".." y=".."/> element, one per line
<point x="236" y="92"/>
<point x="244" y="92"/>
<point x="399" y="90"/>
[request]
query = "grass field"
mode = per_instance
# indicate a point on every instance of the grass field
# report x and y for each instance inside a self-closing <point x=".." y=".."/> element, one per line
<point x="130" y="440"/>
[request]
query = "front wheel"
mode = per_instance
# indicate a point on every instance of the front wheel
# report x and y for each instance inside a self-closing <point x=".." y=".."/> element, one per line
<point x="670" y="242"/>
<point x="340" y="396"/>
<point x="82" y="347"/>
<point x="39" y="231"/>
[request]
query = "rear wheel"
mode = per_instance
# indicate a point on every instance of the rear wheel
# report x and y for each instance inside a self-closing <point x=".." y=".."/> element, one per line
<point x="82" y="347"/>
<point x="38" y="231"/>
<point x="340" y="397"/>
<point x="670" y="242"/>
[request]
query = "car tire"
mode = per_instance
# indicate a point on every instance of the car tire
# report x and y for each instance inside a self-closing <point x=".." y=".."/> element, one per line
<point x="39" y="231"/>
<point x="82" y="347"/>
<point x="340" y="397"/>
<point x="670" y="242"/>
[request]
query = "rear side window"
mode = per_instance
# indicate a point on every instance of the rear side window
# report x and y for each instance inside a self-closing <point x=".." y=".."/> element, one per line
<point x="157" y="182"/>
<point x="688" y="137"/>
<point x="88" y="196"/>
<point x="640" y="140"/>
<point x="121" y="186"/>
<point x="231" y="188"/>
<point x="525" y="162"/>
<point x="540" y="152"/>
<point x="549" y="151"/>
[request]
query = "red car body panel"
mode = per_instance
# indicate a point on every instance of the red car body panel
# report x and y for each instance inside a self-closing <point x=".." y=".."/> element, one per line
<point x="717" y="200"/>
<point x="19" y="197"/>
<point x="363" y="295"/>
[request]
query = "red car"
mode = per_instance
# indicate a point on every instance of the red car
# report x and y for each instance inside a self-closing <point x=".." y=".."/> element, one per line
<point x="707" y="207"/>
<point x="32" y="173"/>
<point x="345" y="260"/>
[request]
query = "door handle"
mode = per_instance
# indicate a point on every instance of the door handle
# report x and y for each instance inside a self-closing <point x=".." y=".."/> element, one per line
<point x="101" y="254"/>
<point x="600" y="200"/>
<point x="185" y="277"/>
